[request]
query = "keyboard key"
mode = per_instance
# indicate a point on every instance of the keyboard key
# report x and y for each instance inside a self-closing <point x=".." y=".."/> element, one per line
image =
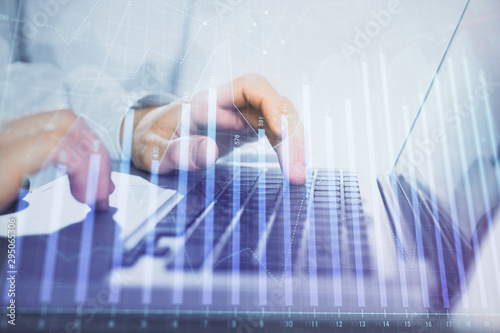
<point x="354" y="208"/>
<point x="333" y="194"/>
<point x="324" y="215"/>
<point x="327" y="205"/>
<point x="326" y="173"/>
<point x="353" y="201"/>
<point x="351" y="189"/>
<point x="332" y="188"/>
<point x="328" y="181"/>
<point x="335" y="200"/>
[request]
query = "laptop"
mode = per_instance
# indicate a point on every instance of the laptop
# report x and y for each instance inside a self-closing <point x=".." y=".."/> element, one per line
<point x="237" y="248"/>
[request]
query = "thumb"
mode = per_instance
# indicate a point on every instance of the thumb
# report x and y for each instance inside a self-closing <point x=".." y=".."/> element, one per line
<point x="191" y="153"/>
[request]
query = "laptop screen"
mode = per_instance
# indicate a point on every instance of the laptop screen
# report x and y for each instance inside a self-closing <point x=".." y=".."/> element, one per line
<point x="452" y="152"/>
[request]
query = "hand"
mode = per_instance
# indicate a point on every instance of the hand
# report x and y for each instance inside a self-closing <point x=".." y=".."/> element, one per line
<point x="157" y="130"/>
<point x="58" y="137"/>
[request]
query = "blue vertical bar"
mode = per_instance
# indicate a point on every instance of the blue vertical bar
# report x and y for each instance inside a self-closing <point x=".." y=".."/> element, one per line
<point x="334" y="223"/>
<point x="495" y="152"/>
<point x="49" y="268"/>
<point x="287" y="244"/>
<point x="52" y="243"/>
<point x="418" y="227"/>
<point x="390" y="155"/>
<point x="87" y="230"/>
<point x="399" y="239"/>
<point x="262" y="220"/>
<point x="453" y="208"/>
<point x="442" y="268"/>
<point x="373" y="175"/>
<point x="399" y="242"/>
<point x="208" y="254"/>
<point x="177" y="296"/>
<point x="150" y="237"/>
<point x="311" y="221"/>
<point x="468" y="187"/>
<point x="355" y="214"/>
<point x="235" y="286"/>
<point x="337" y="273"/>
<point x="358" y="258"/>
<point x="493" y="141"/>
<point x="209" y="197"/>
<point x="437" y="229"/>
<point x="127" y="139"/>
<point x="306" y="111"/>
<point x="114" y="288"/>
<point x="311" y="249"/>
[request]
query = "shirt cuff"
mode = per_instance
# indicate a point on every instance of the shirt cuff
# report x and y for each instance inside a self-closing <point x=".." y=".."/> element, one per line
<point x="106" y="110"/>
<point x="147" y="100"/>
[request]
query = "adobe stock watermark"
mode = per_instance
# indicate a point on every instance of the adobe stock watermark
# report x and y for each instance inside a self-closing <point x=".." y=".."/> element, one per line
<point x="11" y="271"/>
<point x="47" y="9"/>
<point x="364" y="36"/>
<point x="424" y="148"/>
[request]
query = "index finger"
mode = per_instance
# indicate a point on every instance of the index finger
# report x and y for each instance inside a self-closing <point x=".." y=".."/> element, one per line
<point x="254" y="92"/>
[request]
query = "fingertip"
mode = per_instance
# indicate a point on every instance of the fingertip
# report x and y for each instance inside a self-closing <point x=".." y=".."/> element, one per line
<point x="111" y="187"/>
<point x="297" y="174"/>
<point x="102" y="205"/>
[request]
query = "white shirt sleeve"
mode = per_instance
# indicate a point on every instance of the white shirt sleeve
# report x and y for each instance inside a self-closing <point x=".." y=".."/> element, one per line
<point x="24" y="88"/>
<point x="30" y="84"/>
<point x="66" y="55"/>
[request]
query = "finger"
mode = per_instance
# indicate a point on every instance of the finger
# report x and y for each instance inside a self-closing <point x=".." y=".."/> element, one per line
<point x="227" y="116"/>
<point x="191" y="153"/>
<point x="153" y="133"/>
<point x="43" y="145"/>
<point x="254" y="92"/>
<point x="10" y="182"/>
<point x="25" y="156"/>
<point x="16" y="161"/>
<point x="292" y="156"/>
<point x="88" y="165"/>
<point x="58" y="121"/>
<point x="89" y="174"/>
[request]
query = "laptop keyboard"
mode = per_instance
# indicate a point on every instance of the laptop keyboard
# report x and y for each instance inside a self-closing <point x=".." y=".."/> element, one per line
<point x="255" y="219"/>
